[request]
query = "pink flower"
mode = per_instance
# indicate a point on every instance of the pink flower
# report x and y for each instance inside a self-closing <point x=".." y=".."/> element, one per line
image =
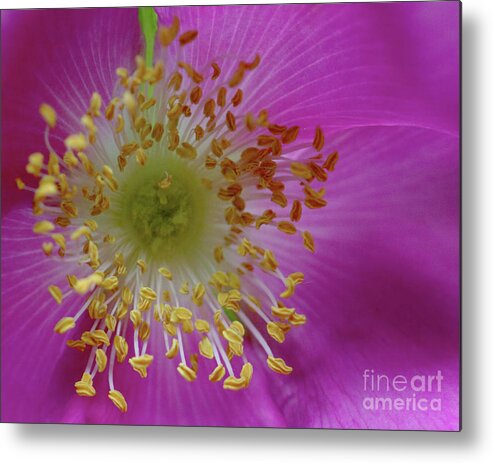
<point x="381" y="291"/>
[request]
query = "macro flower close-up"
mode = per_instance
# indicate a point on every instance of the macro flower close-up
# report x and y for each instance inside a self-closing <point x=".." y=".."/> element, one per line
<point x="232" y="216"/>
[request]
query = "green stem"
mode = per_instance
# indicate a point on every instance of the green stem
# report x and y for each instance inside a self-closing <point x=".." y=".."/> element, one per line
<point x="148" y="24"/>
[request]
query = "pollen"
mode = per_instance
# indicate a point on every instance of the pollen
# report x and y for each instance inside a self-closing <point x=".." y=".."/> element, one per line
<point x="162" y="229"/>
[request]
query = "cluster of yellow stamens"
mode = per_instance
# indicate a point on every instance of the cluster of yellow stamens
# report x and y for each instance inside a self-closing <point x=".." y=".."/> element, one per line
<point x="169" y="122"/>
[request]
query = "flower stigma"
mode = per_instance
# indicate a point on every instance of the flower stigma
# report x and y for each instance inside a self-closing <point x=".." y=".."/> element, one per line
<point x="163" y="210"/>
<point x="162" y="207"/>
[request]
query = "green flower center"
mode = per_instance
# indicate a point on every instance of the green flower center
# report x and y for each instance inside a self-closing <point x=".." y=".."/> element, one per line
<point x="162" y="209"/>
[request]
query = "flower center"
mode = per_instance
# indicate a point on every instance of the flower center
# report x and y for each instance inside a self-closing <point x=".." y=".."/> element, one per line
<point x="162" y="209"/>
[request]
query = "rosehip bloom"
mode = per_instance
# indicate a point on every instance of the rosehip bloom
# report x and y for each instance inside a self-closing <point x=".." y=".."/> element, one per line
<point x="249" y="207"/>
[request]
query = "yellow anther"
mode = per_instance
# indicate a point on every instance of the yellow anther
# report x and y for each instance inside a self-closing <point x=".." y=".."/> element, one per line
<point x="181" y="313"/>
<point x="186" y="151"/>
<point x="188" y="373"/>
<point x="247" y="372"/>
<point x="121" y="348"/>
<point x="110" y="322"/>
<point x="53" y="165"/>
<point x="222" y="298"/>
<point x="144" y="331"/>
<point x="297" y="319"/>
<point x="130" y="103"/>
<point x="77" y="142"/>
<point x="144" y="304"/>
<point x="202" y="326"/>
<point x="235" y="348"/>
<point x="71" y="279"/>
<point x="276" y="332"/>
<point x="141" y="156"/>
<point x="173" y="350"/>
<point x="187" y="326"/>
<point x="194" y="362"/>
<point x="301" y="170"/>
<point x="56" y="293"/>
<point x="122" y="310"/>
<point x="233" y="383"/>
<point x="234" y="280"/>
<point x="238" y="327"/>
<point x="205" y="348"/>
<point x="198" y="294"/>
<point x="184" y="288"/>
<point x="168" y="34"/>
<point x="20" y="184"/>
<point x="297" y="277"/>
<point x="117" y="398"/>
<point x="35" y="164"/>
<point x="92" y="224"/>
<point x="148" y="293"/>
<point x="159" y="312"/>
<point x="269" y="261"/>
<point x="88" y="122"/>
<point x="95" y="338"/>
<point x="48" y="114"/>
<point x="170" y="328"/>
<point x="93" y="253"/>
<point x="136" y="317"/>
<point x="45" y="189"/>
<point x="140" y="364"/>
<point x="278" y="365"/>
<point x="110" y="283"/>
<point x="218" y="254"/>
<point x="101" y="359"/>
<point x="120" y="124"/>
<point x="43" y="227"/>
<point x="65" y="324"/>
<point x="142" y="265"/>
<point x="77" y="344"/>
<point x="70" y="159"/>
<point x="127" y="295"/>
<point x="81" y="231"/>
<point x="308" y="241"/>
<point x="95" y="104"/>
<point x="59" y="239"/>
<point x="166" y="273"/>
<point x="47" y="248"/>
<point x="233" y="336"/>
<point x="220" y="278"/>
<point x="217" y="374"/>
<point x="289" y="291"/>
<point x="83" y="285"/>
<point x="282" y="312"/>
<point x="69" y="209"/>
<point x="109" y="239"/>
<point x="84" y="387"/>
